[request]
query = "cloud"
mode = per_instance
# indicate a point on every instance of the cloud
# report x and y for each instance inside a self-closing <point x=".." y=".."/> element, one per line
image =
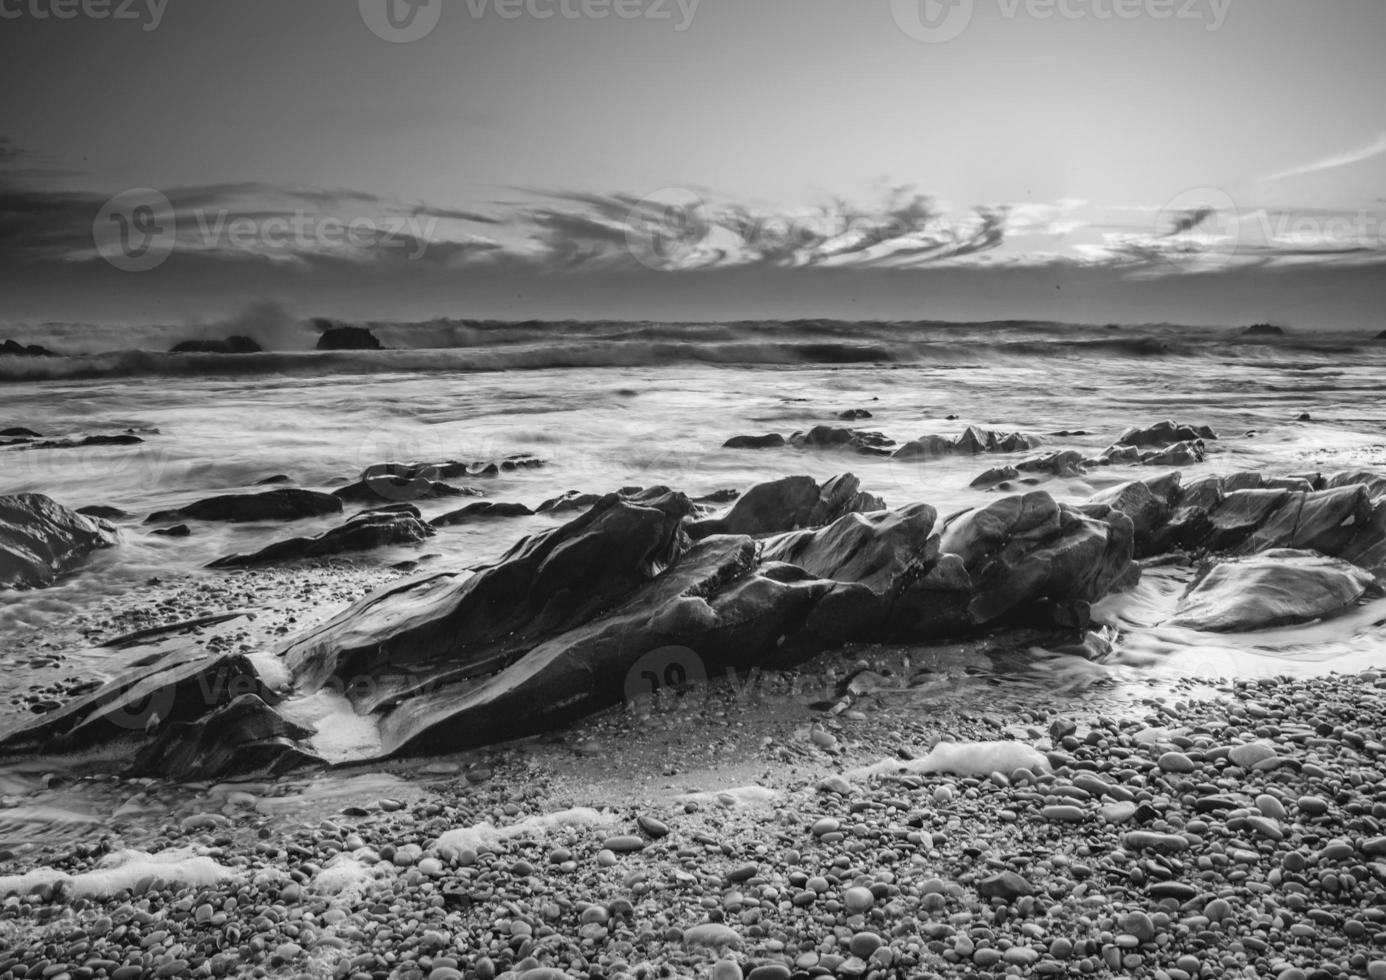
<point x="1375" y="148"/>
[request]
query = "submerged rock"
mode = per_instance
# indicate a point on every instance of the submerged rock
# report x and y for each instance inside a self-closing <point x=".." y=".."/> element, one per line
<point x="481" y="510"/>
<point x="287" y="504"/>
<point x="15" y="349"/>
<point x="833" y="437"/>
<point x="766" y="441"/>
<point x="363" y="532"/>
<point x="972" y="441"/>
<point x="1165" y="433"/>
<point x="40" y="539"/>
<point x="1274" y="588"/>
<point x="1263" y="330"/>
<point x="119" y="439"/>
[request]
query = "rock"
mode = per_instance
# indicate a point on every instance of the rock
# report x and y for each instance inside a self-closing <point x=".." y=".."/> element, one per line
<point x="174" y="531"/>
<point x="20" y="432"/>
<point x="787" y="504"/>
<point x="972" y="441"/>
<point x="120" y="439"/>
<point x="1064" y="813"/>
<point x="1166" y="433"/>
<point x="1138" y="840"/>
<point x="1006" y="885"/>
<point x="481" y="510"/>
<point x="364" y="532"/>
<point x="569" y="500"/>
<point x="399" y="482"/>
<point x="998" y="474"/>
<point x="767" y="441"/>
<point x="345" y="337"/>
<point x="271" y="505"/>
<point x="1179" y="454"/>
<point x="180" y="686"/>
<point x="104" y="512"/>
<point x="1275" y="588"/>
<point x="857" y="900"/>
<point x="624" y="844"/>
<point x="244" y="737"/>
<point x="40" y="540"/>
<point x="712" y="934"/>
<point x="1250" y="754"/>
<point x="853" y="414"/>
<point x="830" y="437"/>
<point x="654" y="828"/>
<point x="1263" y="330"/>
<point x="13" y="348"/>
<point x="1062" y="462"/>
<point x="1177" y="762"/>
<point x="231" y="345"/>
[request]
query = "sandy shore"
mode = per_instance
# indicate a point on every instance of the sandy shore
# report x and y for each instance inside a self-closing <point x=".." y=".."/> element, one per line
<point x="730" y="832"/>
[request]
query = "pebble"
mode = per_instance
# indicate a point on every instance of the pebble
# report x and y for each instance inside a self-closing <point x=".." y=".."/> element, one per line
<point x="1250" y="754"/>
<point x="1177" y="762"/>
<point x="623" y="844"/>
<point x="711" y="934"/>
<point x="858" y="900"/>
<point x="1064" y="813"/>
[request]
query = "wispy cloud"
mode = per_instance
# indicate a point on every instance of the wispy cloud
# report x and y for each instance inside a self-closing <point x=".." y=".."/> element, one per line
<point x="1375" y="148"/>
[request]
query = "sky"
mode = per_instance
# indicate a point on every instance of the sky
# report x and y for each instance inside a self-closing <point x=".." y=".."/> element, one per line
<point x="1128" y="161"/>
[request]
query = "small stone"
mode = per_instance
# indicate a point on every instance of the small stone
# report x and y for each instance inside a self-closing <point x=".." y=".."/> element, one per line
<point x="711" y="934"/>
<point x="863" y="944"/>
<point x="1064" y="813"/>
<point x="652" y="827"/>
<point x="835" y="784"/>
<point x="1270" y="807"/>
<point x="623" y="844"/>
<point x="1177" y="762"/>
<point x="858" y="900"/>
<point x="1138" y="924"/>
<point x="1376" y="970"/>
<point x="1250" y="754"/>
<point x="826" y="825"/>
<point x="726" y="970"/>
<point x="1006" y="885"/>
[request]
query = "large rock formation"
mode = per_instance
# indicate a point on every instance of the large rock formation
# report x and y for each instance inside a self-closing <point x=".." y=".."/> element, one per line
<point x="236" y="344"/>
<point x="789" y="503"/>
<point x="363" y="532"/>
<point x="401" y="482"/>
<point x="15" y="349"/>
<point x="345" y="337"/>
<point x="40" y="539"/>
<point x="286" y="504"/>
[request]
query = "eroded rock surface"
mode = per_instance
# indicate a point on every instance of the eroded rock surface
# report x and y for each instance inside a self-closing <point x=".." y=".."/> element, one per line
<point x="286" y="504"/>
<point x="40" y="539"/>
<point x="1274" y="588"/>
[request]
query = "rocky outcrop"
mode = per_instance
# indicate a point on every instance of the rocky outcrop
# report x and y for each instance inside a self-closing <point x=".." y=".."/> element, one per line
<point x="767" y="441"/>
<point x="19" y="432"/>
<point x="1165" y="433"/>
<point x="972" y="441"/>
<point x="833" y="437"/>
<point x="40" y="540"/>
<point x="1263" y="330"/>
<point x="363" y="532"/>
<point x="119" y="439"/>
<point x="286" y="504"/>
<point x="344" y="337"/>
<point x="231" y="345"/>
<point x="1274" y="588"/>
<point x="385" y="482"/>
<point x="788" y="504"/>
<point x="13" y="348"/>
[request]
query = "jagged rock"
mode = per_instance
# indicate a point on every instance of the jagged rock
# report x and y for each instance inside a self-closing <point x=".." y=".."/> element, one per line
<point x="788" y="504"/>
<point x="1148" y="510"/>
<point x="479" y="510"/>
<point x="767" y="441"/>
<point x="180" y="686"/>
<point x="1263" y="330"/>
<point x="973" y="440"/>
<point x="400" y="482"/>
<point x="566" y="501"/>
<point x="994" y="476"/>
<point x="1274" y="588"/>
<point x="231" y="345"/>
<point x="1179" y="454"/>
<point x="244" y="737"/>
<point x="363" y="532"/>
<point x="344" y="337"/>
<point x="174" y="531"/>
<point x="446" y="627"/>
<point x="40" y="539"/>
<point x="1028" y="556"/>
<point x="15" y="349"/>
<point x="1061" y="462"/>
<point x="1373" y="483"/>
<point x="831" y="437"/>
<point x="1165" y="433"/>
<point x="272" y="505"/>
<point x="488" y="467"/>
<point x="1326" y="521"/>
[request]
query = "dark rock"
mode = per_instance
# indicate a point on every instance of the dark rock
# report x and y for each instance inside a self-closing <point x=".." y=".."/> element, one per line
<point x="244" y="737"/>
<point x="1062" y="462"/>
<point x="1179" y="454"/>
<point x="567" y="501"/>
<point x="1263" y="330"/>
<point x="1274" y="588"/>
<point x="18" y="431"/>
<point x="400" y="482"/>
<point x="481" y="510"/>
<point x="177" y="687"/>
<point x="40" y="539"/>
<point x="1006" y="886"/>
<point x="271" y="480"/>
<point x="767" y="441"/>
<point x="1165" y="433"/>
<point x="853" y="414"/>
<point x="343" y="337"/>
<point x="994" y="476"/>
<point x="489" y="467"/>
<point x="231" y="345"/>
<point x="15" y="349"/>
<point x="122" y="439"/>
<point x="176" y="531"/>
<point x="830" y="437"/>
<point x="788" y="504"/>
<point x="972" y="441"/>
<point x="270" y="505"/>
<point x="363" y="532"/>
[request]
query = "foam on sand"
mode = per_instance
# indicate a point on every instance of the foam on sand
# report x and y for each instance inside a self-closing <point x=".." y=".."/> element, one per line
<point x="348" y="877"/>
<point x="122" y="870"/>
<point x="737" y="796"/>
<point x="453" y="842"/>
<point x="964" y="759"/>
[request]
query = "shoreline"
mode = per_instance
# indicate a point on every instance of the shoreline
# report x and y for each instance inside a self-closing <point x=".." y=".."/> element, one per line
<point x="401" y="904"/>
